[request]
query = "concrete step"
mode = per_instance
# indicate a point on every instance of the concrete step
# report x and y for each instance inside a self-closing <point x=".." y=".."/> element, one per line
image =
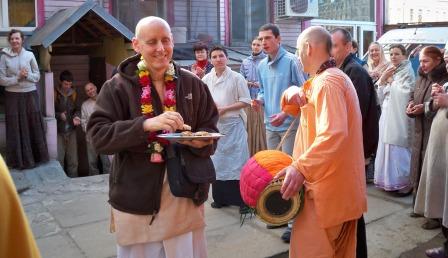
<point x="47" y="173"/>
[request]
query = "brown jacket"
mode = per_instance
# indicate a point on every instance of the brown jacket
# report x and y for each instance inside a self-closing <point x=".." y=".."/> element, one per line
<point x="422" y="94"/>
<point x="69" y="104"/>
<point x="116" y="127"/>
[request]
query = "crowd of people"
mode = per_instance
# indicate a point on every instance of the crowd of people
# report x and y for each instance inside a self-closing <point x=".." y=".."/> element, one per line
<point x="410" y="157"/>
<point x="26" y="144"/>
<point x="333" y="113"/>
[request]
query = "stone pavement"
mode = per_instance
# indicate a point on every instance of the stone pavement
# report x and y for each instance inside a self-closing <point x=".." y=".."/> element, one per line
<point x="70" y="219"/>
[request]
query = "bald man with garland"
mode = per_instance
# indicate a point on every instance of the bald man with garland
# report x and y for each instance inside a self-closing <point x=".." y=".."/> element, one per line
<point x="328" y="154"/>
<point x="150" y="95"/>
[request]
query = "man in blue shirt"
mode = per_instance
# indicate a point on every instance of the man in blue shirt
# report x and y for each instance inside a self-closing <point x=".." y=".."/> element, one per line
<point x="249" y="67"/>
<point x="275" y="74"/>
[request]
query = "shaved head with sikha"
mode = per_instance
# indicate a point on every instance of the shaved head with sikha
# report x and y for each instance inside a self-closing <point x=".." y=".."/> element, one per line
<point x="154" y="41"/>
<point x="150" y="20"/>
<point x="314" y="48"/>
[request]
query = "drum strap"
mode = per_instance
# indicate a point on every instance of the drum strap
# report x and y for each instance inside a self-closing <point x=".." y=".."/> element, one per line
<point x="287" y="133"/>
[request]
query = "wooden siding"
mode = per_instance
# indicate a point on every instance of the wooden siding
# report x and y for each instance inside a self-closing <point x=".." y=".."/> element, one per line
<point x="181" y="13"/>
<point x="78" y="65"/>
<point x="201" y="17"/>
<point x="222" y="21"/>
<point x="52" y="6"/>
<point x="289" y="30"/>
<point x="106" y="5"/>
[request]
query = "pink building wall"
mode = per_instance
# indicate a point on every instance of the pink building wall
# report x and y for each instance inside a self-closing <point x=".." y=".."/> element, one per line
<point x="52" y="6"/>
<point x="379" y="12"/>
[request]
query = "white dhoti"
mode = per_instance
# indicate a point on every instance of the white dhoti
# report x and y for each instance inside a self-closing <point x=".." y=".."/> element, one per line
<point x="189" y="245"/>
<point x="177" y="231"/>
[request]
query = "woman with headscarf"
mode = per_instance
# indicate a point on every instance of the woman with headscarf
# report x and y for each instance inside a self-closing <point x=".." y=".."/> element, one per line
<point x="432" y="195"/>
<point x="26" y="145"/>
<point x="393" y="155"/>
<point x="432" y="70"/>
<point x="376" y="61"/>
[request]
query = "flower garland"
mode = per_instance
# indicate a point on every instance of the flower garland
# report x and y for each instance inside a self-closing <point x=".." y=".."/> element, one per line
<point x="155" y="145"/>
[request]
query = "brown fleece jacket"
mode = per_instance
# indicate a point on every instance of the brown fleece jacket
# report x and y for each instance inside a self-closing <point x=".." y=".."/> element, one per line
<point x="116" y="127"/>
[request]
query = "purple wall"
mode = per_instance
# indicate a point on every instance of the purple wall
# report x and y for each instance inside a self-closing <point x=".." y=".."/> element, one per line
<point x="379" y="12"/>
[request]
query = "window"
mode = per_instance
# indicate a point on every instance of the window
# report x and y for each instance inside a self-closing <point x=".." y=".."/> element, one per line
<point x="361" y="10"/>
<point x="247" y="16"/>
<point x="129" y="12"/>
<point x="203" y="19"/>
<point x="18" y="13"/>
<point x="367" y="37"/>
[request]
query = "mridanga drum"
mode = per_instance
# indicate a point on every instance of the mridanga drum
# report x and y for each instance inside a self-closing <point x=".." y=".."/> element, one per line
<point x="261" y="192"/>
<point x="272" y="209"/>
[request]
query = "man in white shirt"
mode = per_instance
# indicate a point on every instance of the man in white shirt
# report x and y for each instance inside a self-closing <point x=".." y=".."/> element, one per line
<point x="231" y="95"/>
<point x="86" y="110"/>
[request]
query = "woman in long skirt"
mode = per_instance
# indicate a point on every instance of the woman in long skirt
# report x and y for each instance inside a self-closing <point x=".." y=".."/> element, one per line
<point x="393" y="157"/>
<point x="26" y="144"/>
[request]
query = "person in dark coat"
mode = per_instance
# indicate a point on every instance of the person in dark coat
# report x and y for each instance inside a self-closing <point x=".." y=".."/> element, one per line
<point x="341" y="51"/>
<point x="149" y="95"/>
<point x="432" y="70"/>
<point x="68" y="117"/>
<point x="355" y="49"/>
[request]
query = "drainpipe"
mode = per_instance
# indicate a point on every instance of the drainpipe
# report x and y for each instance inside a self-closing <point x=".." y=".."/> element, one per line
<point x="271" y="11"/>
<point x="379" y="17"/>
<point x="111" y="7"/>
<point x="40" y="13"/>
<point x="227" y="38"/>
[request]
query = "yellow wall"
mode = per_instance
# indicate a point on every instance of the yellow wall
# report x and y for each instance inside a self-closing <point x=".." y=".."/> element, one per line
<point x="115" y="50"/>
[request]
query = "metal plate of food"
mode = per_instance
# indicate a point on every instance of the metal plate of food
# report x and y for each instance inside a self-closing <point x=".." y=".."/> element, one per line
<point x="187" y="135"/>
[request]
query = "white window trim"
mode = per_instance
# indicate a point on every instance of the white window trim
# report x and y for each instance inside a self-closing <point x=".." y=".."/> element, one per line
<point x="4" y="21"/>
<point x="342" y="22"/>
<point x="356" y="25"/>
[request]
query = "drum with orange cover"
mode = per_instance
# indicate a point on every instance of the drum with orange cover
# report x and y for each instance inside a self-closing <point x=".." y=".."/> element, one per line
<point x="261" y="192"/>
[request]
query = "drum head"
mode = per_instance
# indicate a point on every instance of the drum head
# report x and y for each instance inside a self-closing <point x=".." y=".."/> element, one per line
<point x="273" y="209"/>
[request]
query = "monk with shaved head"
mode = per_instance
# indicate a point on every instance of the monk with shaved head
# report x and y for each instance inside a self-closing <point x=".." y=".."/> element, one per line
<point x="328" y="154"/>
<point x="155" y="210"/>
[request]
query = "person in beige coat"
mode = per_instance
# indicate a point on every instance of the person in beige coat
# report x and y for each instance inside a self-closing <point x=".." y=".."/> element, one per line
<point x="432" y="70"/>
<point x="432" y="195"/>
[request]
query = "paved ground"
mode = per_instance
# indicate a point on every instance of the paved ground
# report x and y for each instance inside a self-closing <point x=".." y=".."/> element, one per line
<point x="69" y="218"/>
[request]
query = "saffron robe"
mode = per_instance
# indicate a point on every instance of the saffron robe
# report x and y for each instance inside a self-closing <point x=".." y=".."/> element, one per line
<point x="328" y="151"/>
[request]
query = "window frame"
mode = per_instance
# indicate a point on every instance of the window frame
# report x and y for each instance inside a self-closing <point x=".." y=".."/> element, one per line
<point x="161" y="7"/>
<point x="4" y="21"/>
<point x="249" y="26"/>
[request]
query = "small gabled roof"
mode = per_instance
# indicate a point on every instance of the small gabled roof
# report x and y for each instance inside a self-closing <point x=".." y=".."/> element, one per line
<point x="64" y="19"/>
